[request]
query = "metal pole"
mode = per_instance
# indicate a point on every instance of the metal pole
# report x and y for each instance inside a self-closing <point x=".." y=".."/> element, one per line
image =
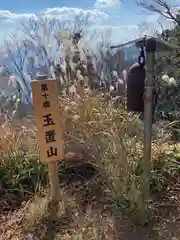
<point x="148" y="100"/>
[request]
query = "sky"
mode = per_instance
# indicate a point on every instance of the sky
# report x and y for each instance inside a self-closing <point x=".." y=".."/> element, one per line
<point x="122" y="16"/>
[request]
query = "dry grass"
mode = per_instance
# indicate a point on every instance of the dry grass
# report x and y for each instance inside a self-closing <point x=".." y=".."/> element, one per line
<point x="109" y="140"/>
<point x="66" y="221"/>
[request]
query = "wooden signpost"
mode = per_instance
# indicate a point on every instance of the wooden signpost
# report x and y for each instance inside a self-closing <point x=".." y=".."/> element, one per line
<point x="49" y="128"/>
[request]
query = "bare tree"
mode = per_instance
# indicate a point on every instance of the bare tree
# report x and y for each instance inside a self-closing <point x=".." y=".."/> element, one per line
<point x="72" y="30"/>
<point x="79" y="25"/>
<point x="43" y="39"/>
<point x="48" y="35"/>
<point x="14" y="64"/>
<point x="101" y="54"/>
<point x="146" y="28"/>
<point x="161" y="7"/>
<point x="42" y="31"/>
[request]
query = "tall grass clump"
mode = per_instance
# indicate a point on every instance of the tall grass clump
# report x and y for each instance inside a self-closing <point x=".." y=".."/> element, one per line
<point x="111" y="143"/>
<point x="20" y="171"/>
<point x="111" y="139"/>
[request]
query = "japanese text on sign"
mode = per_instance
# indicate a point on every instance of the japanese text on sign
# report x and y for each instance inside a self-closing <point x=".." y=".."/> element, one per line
<point x="47" y="114"/>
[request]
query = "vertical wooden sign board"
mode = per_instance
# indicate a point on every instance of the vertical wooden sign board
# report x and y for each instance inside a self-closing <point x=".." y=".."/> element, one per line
<point x="48" y="121"/>
<point x="49" y="128"/>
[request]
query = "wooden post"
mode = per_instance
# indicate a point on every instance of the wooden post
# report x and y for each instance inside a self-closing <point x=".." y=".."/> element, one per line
<point x="54" y="181"/>
<point x="150" y="57"/>
<point x="49" y="129"/>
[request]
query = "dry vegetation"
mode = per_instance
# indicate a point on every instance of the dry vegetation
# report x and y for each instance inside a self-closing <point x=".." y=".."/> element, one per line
<point x="100" y="179"/>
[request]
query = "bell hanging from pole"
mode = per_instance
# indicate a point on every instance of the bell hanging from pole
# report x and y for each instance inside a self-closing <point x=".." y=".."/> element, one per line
<point x="135" y="85"/>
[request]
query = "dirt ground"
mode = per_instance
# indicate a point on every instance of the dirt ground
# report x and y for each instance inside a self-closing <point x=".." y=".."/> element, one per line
<point x="165" y="224"/>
